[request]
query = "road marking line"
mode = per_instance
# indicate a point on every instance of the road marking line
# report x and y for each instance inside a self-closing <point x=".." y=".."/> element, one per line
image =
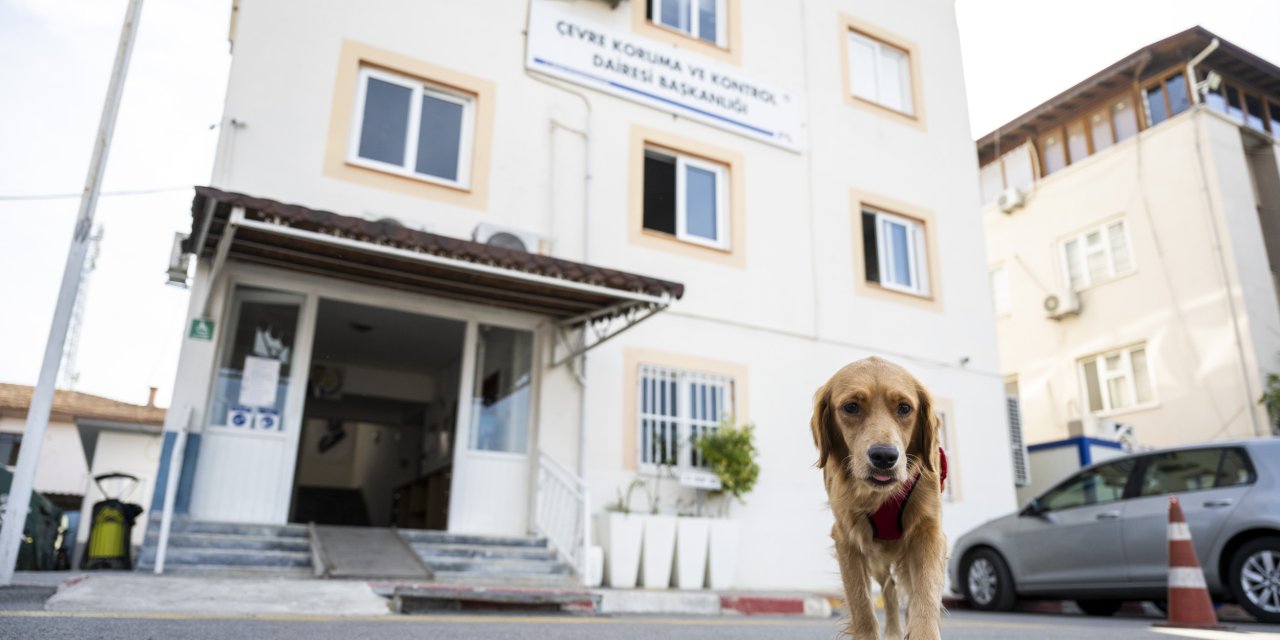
<point x="493" y="619"/>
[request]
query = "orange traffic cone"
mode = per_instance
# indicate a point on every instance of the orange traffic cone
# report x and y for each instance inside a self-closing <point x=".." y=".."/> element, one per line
<point x="1189" y="603"/>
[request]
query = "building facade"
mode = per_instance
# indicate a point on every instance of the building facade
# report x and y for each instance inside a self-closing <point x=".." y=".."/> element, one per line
<point x="803" y="172"/>
<point x="1132" y="228"/>
<point x="88" y="436"/>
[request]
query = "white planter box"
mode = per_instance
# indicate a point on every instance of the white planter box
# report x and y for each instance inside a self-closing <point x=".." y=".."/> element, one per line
<point x="692" y="535"/>
<point x="659" y="551"/>
<point x="723" y="556"/>
<point x="621" y="535"/>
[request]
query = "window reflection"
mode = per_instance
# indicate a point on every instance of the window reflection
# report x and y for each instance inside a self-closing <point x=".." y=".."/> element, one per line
<point x="500" y="398"/>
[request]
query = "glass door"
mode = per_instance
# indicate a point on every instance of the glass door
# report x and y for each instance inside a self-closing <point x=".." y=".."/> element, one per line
<point x="491" y="481"/>
<point x="247" y="449"/>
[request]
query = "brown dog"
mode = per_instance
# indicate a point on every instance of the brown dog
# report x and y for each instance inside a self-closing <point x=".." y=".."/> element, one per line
<point x="876" y="434"/>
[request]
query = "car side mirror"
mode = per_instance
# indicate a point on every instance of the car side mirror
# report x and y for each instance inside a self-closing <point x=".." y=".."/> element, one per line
<point x="1034" y="508"/>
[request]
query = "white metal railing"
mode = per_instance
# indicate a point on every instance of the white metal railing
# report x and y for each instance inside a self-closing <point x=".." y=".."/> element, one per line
<point x="562" y="512"/>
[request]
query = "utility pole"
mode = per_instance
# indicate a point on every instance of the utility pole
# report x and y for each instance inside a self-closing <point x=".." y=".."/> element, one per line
<point x="15" y="515"/>
<point x="70" y="371"/>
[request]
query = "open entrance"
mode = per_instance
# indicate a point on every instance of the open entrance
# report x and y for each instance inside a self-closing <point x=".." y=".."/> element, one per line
<point x="376" y="447"/>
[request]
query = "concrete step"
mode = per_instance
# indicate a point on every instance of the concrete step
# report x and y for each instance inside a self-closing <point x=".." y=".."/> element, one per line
<point x="498" y="567"/>
<point x="231" y="528"/>
<point x="472" y="579"/>
<point x="231" y="541"/>
<point x="420" y="536"/>
<point x="423" y="599"/>
<point x="431" y="552"/>
<point x="223" y="571"/>
<point x="230" y="558"/>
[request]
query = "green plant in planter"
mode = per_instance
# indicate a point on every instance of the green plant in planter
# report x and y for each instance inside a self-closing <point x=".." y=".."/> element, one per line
<point x="623" y="504"/>
<point x="731" y="452"/>
<point x="1271" y="400"/>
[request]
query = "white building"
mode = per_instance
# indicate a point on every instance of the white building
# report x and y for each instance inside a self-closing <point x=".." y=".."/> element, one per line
<point x="1142" y="205"/>
<point x="87" y="436"/>
<point x="803" y="172"/>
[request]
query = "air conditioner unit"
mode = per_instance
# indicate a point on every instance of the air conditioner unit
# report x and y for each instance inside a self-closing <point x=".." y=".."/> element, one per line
<point x="1010" y="199"/>
<point x="1061" y="304"/>
<point x="514" y="239"/>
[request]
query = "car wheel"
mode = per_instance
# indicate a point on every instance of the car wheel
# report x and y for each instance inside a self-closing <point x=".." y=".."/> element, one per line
<point x="987" y="583"/>
<point x="1255" y="578"/>
<point x="1100" y="608"/>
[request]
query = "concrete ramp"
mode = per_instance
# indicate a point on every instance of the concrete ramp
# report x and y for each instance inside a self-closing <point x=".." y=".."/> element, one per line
<point x="365" y="552"/>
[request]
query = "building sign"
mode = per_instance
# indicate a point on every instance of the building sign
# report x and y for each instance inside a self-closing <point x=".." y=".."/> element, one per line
<point x="201" y="329"/>
<point x="564" y="45"/>
<point x="699" y="479"/>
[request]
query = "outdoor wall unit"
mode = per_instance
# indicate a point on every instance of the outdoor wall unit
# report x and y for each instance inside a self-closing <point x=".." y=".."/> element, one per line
<point x="514" y="239"/>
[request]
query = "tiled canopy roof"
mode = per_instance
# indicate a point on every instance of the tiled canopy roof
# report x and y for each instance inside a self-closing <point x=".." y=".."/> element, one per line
<point x="71" y="405"/>
<point x="389" y="233"/>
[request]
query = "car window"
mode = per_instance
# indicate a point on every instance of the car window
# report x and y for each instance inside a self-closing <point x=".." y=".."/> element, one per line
<point x="1178" y="471"/>
<point x="1234" y="469"/>
<point x="1096" y="486"/>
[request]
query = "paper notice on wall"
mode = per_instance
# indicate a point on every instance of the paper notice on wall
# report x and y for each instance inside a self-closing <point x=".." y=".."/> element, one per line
<point x="259" y="381"/>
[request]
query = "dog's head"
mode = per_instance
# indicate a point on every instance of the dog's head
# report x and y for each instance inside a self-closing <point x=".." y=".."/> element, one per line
<point x="874" y="422"/>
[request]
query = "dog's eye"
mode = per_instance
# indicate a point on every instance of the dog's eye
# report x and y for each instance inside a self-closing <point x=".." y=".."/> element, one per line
<point x="852" y="408"/>
<point x="904" y="409"/>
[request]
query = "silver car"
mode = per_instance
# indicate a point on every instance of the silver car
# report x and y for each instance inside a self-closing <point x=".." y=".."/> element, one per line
<point x="1099" y="537"/>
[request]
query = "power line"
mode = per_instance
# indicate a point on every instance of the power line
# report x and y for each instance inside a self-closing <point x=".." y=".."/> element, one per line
<point x="60" y="196"/>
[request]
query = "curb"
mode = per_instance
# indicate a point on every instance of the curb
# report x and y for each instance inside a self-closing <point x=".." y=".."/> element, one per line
<point x="813" y="606"/>
<point x="710" y="603"/>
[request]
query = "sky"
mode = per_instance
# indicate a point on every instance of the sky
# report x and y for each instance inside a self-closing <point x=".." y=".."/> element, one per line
<point x="1017" y="53"/>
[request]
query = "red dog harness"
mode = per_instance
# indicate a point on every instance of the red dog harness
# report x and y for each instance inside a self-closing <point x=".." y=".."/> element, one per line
<point x="886" y="522"/>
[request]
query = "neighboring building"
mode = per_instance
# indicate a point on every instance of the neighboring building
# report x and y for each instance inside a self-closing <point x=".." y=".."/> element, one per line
<point x="87" y="436"/>
<point x="1133" y="231"/>
<point x="795" y="182"/>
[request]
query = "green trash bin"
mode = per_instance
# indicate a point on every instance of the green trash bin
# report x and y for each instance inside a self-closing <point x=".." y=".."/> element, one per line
<point x="38" y="550"/>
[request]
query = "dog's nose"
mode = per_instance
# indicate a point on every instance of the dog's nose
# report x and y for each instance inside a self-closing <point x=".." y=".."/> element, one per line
<point x="883" y="457"/>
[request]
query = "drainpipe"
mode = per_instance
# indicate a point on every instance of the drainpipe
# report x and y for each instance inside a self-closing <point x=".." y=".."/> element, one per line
<point x="1223" y="271"/>
<point x="1191" y="69"/>
<point x="585" y="132"/>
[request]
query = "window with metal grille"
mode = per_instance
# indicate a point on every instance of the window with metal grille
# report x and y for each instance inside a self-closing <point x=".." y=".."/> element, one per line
<point x="676" y="408"/>
<point x="1021" y="463"/>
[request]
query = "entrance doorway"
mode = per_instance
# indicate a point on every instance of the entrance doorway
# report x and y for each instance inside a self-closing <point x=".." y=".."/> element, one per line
<point x="379" y="419"/>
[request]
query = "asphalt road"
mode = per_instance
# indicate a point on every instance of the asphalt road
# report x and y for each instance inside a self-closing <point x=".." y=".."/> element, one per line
<point x="958" y="625"/>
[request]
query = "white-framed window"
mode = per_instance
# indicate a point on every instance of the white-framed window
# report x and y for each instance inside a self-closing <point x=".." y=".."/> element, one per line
<point x="701" y="19"/>
<point x="1000" y="290"/>
<point x="412" y="128"/>
<point x="880" y="72"/>
<point x="1097" y="255"/>
<point x="686" y="197"/>
<point x="894" y="252"/>
<point x="1117" y="380"/>
<point x="676" y="408"/>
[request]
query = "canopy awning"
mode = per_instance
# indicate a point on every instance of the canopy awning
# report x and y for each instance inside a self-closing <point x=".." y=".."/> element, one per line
<point x="236" y="226"/>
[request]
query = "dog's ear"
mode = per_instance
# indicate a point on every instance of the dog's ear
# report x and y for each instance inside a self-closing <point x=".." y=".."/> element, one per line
<point x="924" y="438"/>
<point x="821" y="424"/>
